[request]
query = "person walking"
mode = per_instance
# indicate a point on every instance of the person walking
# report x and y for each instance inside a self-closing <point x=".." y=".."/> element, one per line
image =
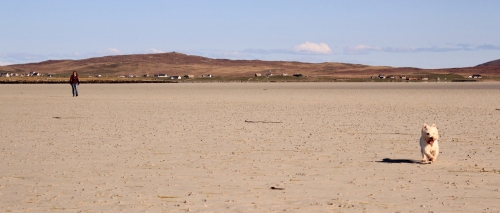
<point x="73" y="80"/>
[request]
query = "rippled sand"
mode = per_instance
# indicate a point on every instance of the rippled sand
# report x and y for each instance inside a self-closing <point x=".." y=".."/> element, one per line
<point x="299" y="147"/>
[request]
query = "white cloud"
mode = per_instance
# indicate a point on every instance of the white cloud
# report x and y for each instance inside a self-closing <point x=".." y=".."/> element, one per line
<point x="313" y="48"/>
<point x="153" y="50"/>
<point x="114" y="51"/>
<point x="361" y="49"/>
<point x="4" y="63"/>
<point x="109" y="51"/>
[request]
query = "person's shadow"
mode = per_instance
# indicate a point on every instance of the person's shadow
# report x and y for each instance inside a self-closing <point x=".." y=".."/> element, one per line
<point x="388" y="160"/>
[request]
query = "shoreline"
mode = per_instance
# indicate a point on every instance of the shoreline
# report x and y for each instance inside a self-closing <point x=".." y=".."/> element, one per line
<point x="114" y="81"/>
<point x="88" y="82"/>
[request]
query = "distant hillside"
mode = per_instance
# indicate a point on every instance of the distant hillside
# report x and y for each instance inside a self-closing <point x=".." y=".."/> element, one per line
<point x="181" y="64"/>
<point x="491" y="63"/>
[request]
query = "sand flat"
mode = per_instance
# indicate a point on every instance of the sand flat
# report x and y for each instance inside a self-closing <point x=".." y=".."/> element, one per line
<point x="323" y="147"/>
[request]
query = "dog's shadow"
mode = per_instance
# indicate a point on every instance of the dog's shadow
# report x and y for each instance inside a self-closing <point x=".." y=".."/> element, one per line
<point x="388" y="160"/>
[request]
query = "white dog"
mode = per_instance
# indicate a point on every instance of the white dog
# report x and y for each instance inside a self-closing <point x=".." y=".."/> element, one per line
<point x="429" y="143"/>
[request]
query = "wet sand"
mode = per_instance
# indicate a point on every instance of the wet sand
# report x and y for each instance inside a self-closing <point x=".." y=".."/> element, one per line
<point x="260" y="147"/>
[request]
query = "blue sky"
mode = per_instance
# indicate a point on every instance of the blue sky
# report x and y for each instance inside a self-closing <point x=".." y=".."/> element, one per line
<point x="410" y="33"/>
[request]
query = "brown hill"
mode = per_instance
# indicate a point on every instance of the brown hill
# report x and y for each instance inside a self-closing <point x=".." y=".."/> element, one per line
<point x="182" y="64"/>
<point x="491" y="63"/>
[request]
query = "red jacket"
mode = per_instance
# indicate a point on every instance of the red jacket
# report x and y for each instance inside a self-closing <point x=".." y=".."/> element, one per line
<point x="74" y="79"/>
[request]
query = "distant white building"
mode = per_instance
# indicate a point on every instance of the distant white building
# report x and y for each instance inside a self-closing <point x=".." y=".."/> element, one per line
<point x="175" y="77"/>
<point x="34" y="74"/>
<point x="161" y="75"/>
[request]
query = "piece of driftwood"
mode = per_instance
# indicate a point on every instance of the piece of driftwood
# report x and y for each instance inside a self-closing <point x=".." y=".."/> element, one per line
<point x="266" y="122"/>
<point x="276" y="188"/>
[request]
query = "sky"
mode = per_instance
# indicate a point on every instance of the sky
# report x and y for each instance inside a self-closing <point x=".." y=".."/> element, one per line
<point x="409" y="33"/>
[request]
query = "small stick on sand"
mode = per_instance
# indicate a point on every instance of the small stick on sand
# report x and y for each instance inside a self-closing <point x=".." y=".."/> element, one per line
<point x="267" y="122"/>
<point x="276" y="188"/>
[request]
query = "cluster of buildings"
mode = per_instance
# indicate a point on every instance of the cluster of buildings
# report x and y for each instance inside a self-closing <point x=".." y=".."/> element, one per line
<point x="10" y="74"/>
<point x="175" y="77"/>
<point x="282" y="74"/>
<point x="161" y="76"/>
<point x="402" y="77"/>
<point x="475" y="76"/>
<point x="269" y="74"/>
<point x="380" y="76"/>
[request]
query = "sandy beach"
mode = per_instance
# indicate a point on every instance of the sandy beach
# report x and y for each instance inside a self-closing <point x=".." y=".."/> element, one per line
<point x="248" y="147"/>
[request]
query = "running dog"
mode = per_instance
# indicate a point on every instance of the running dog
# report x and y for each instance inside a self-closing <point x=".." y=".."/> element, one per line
<point x="429" y="143"/>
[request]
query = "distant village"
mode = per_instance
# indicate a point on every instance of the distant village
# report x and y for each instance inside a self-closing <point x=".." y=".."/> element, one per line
<point x="6" y="74"/>
<point x="173" y="77"/>
<point x="402" y="77"/>
<point x="268" y="74"/>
